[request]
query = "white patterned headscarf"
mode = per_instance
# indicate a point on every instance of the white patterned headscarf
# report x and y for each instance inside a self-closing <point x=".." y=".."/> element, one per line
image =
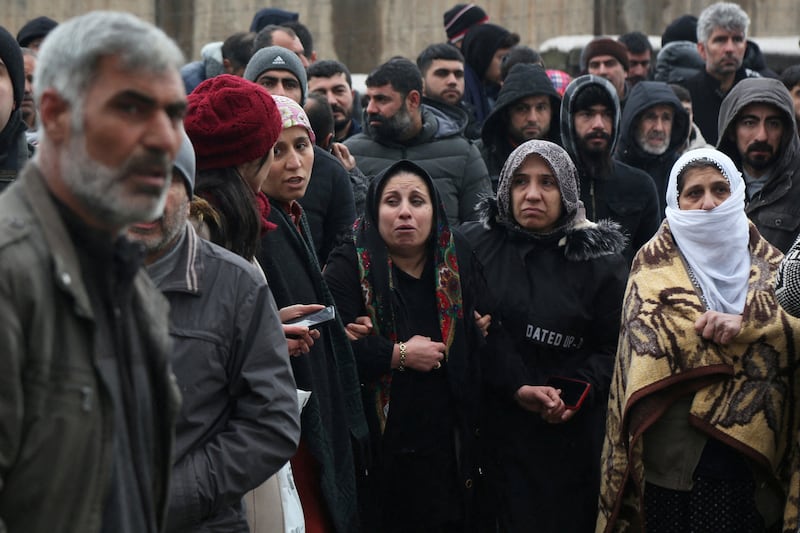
<point x="565" y="173"/>
<point x="715" y="243"/>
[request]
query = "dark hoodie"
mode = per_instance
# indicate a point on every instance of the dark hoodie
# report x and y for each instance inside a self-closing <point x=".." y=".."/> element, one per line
<point x="479" y="47"/>
<point x="623" y="194"/>
<point x="775" y="209"/>
<point x="13" y="146"/>
<point x="440" y="148"/>
<point x="495" y="145"/>
<point x="643" y="96"/>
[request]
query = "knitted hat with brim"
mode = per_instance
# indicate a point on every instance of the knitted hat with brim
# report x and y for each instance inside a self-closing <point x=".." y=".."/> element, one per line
<point x="231" y="121"/>
<point x="460" y="18"/>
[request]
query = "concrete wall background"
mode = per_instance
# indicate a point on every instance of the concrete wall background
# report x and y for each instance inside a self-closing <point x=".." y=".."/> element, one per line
<point x="363" y="33"/>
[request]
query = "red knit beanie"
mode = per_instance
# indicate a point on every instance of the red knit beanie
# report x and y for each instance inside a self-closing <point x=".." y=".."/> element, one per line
<point x="231" y="121"/>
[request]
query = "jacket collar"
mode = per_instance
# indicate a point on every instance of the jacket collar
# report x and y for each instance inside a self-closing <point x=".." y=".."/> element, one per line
<point x="186" y="268"/>
<point x="582" y="241"/>
<point x="67" y="269"/>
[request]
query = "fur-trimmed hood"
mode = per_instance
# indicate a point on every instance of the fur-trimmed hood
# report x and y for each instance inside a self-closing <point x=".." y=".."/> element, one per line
<point x="582" y="241"/>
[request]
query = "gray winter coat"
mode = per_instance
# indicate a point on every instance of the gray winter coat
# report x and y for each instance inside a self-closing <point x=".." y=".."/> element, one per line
<point x="239" y="422"/>
<point x="440" y="148"/>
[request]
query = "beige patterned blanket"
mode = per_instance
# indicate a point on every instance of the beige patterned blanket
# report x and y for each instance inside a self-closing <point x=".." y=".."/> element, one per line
<point x="745" y="393"/>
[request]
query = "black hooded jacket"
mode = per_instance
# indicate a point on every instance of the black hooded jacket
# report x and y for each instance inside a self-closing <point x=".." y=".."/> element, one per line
<point x="643" y="96"/>
<point x="625" y="194"/>
<point x="13" y="146"/>
<point x="707" y="98"/>
<point x="775" y="209"/>
<point x="495" y="144"/>
<point x="479" y="47"/>
<point x="14" y="151"/>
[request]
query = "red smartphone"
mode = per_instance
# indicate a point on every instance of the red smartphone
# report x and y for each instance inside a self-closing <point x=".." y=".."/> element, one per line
<point x="573" y="391"/>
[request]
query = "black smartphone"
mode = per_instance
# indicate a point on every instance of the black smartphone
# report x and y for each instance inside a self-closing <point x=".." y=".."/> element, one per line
<point x="573" y="391"/>
<point x="314" y="319"/>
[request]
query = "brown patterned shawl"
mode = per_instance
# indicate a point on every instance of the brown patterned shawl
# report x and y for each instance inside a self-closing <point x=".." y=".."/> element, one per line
<point x="745" y="393"/>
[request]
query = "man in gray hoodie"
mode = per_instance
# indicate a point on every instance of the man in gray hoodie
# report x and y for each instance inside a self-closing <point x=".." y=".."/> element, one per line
<point x="759" y="132"/>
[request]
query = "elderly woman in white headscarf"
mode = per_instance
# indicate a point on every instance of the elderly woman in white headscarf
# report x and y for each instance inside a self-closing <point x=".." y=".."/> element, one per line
<point x="702" y="412"/>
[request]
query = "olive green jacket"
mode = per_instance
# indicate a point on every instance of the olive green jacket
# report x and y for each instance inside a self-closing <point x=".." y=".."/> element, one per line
<point x="56" y="415"/>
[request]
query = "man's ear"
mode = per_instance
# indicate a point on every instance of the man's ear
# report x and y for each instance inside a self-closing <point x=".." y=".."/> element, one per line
<point x="55" y="115"/>
<point x="326" y="142"/>
<point x="413" y="100"/>
<point x="227" y="67"/>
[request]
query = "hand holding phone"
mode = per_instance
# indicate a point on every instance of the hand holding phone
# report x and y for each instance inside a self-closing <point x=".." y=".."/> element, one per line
<point x="573" y="391"/>
<point x="314" y="319"/>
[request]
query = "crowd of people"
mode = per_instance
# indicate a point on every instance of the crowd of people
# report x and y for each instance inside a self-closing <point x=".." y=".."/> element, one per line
<point x="484" y="296"/>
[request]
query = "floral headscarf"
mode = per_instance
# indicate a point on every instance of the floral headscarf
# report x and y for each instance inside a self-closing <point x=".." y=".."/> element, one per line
<point x="293" y="115"/>
<point x="377" y="283"/>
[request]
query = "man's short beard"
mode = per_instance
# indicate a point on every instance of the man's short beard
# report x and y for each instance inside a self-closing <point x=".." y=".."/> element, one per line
<point x="396" y="128"/>
<point x="98" y="187"/>
<point x="596" y="162"/>
<point x="760" y="164"/>
<point x="171" y="223"/>
<point x="340" y="124"/>
<point x="648" y="148"/>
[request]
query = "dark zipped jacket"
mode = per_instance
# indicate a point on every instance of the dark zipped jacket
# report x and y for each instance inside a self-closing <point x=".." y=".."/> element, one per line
<point x="239" y="422"/>
<point x="643" y="96"/>
<point x="625" y="195"/>
<point x="775" y="209"/>
<point x="707" y="98"/>
<point x="56" y="414"/>
<point x="328" y="203"/>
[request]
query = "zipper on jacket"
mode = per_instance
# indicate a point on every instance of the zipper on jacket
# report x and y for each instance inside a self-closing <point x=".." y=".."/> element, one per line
<point x="594" y="206"/>
<point x="86" y="398"/>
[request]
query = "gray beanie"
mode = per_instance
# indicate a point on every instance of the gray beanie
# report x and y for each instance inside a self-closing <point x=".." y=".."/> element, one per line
<point x="277" y="58"/>
<point x="185" y="164"/>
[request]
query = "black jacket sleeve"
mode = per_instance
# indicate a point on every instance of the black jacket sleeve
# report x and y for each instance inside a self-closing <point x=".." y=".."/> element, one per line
<point x="374" y="353"/>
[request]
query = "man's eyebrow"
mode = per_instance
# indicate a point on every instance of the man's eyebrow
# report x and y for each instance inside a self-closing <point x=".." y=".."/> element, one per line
<point x="131" y="94"/>
<point x="172" y="108"/>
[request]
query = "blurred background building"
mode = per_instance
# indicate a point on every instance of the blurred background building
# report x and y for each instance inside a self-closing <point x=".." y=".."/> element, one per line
<point x="363" y="33"/>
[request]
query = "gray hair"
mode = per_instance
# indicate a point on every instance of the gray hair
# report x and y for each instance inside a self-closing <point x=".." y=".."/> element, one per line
<point x="725" y="15"/>
<point x="71" y="53"/>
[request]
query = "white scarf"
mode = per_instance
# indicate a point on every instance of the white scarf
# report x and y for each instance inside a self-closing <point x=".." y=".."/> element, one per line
<point x="715" y="243"/>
